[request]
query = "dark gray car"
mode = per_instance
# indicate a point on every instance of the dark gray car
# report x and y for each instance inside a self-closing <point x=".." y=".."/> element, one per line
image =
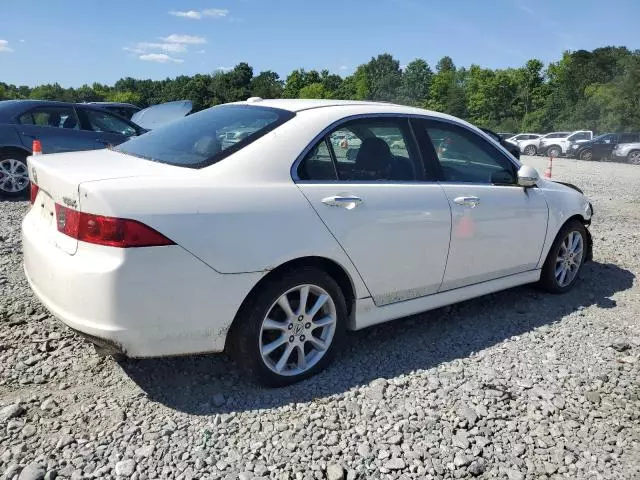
<point x="65" y="127"/>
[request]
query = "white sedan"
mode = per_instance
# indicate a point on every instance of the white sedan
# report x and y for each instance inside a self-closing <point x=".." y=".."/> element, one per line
<point x="271" y="247"/>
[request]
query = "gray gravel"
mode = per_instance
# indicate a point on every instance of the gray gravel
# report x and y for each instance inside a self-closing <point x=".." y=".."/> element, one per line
<point x="514" y="385"/>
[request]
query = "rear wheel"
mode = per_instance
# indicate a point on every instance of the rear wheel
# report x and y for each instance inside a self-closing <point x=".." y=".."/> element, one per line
<point x="291" y="327"/>
<point x="14" y="177"/>
<point x="586" y="155"/>
<point x="634" y="157"/>
<point x="530" y="150"/>
<point x="565" y="259"/>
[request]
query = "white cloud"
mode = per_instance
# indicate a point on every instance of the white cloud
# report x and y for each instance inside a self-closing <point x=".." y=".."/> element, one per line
<point x="165" y="47"/>
<point x="344" y="67"/>
<point x="135" y="50"/>
<point x="159" y="58"/>
<point x="185" y="39"/>
<point x="4" y="46"/>
<point x="21" y="40"/>
<point x="195" y="15"/>
<point x="192" y="14"/>
<point x="215" y="12"/>
<point x="200" y="52"/>
<point x="223" y="69"/>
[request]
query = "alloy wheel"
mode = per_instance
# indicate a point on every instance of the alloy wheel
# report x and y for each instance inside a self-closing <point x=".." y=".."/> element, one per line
<point x="530" y="150"/>
<point x="569" y="258"/>
<point x="634" y="157"/>
<point x="298" y="330"/>
<point x="14" y="176"/>
<point x="586" y="155"/>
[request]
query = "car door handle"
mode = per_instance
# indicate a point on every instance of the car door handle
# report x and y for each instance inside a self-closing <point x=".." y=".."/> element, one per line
<point x="468" y="201"/>
<point x="345" y="201"/>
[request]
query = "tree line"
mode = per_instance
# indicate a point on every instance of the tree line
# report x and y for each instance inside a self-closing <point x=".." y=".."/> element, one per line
<point x="597" y="90"/>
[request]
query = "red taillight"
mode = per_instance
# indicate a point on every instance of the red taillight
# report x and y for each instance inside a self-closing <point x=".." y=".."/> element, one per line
<point x="34" y="192"/>
<point x="109" y="231"/>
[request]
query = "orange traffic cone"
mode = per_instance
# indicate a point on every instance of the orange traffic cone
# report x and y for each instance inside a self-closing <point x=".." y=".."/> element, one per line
<point x="547" y="172"/>
<point x="36" y="148"/>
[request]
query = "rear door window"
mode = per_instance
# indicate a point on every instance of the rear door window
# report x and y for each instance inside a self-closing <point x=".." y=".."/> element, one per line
<point x="55" y="117"/>
<point x="379" y="150"/>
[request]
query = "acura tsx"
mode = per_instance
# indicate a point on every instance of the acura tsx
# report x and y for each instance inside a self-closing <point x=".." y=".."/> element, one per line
<point x="272" y="246"/>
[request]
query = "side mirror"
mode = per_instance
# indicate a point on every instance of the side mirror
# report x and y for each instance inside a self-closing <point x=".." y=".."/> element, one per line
<point x="527" y="176"/>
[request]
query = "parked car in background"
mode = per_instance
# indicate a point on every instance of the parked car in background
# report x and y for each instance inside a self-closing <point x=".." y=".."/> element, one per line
<point x="270" y="248"/>
<point x="532" y="146"/>
<point x="627" y="151"/>
<point x="511" y="147"/>
<point x="523" y="136"/>
<point x="601" y="147"/>
<point x="125" y="110"/>
<point x="505" y="136"/>
<point x="557" y="145"/>
<point x="60" y="127"/>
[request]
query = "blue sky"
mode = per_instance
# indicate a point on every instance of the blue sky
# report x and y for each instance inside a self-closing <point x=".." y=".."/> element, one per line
<point x="74" y="42"/>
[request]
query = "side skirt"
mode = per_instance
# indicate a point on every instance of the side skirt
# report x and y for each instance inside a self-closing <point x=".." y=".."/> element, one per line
<point x="367" y="313"/>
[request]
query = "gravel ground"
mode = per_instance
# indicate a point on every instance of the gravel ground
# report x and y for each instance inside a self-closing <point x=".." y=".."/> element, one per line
<point x="514" y="385"/>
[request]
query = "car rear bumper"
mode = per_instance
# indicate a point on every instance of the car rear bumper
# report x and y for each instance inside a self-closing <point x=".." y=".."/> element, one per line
<point x="143" y="302"/>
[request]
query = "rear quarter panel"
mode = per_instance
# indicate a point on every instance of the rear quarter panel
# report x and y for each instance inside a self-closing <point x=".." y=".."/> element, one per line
<point x="236" y="227"/>
<point x="9" y="137"/>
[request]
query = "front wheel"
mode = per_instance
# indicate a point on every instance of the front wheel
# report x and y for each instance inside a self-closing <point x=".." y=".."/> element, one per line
<point x="291" y="328"/>
<point x="14" y="177"/>
<point x="565" y="259"/>
<point x="554" y="152"/>
<point x="530" y="150"/>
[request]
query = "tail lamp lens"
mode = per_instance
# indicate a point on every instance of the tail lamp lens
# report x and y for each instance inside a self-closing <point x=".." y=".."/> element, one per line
<point x="33" y="193"/>
<point x="108" y="231"/>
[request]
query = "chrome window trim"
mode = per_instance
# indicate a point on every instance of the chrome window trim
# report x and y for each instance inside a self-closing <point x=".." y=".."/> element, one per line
<point x="294" y="167"/>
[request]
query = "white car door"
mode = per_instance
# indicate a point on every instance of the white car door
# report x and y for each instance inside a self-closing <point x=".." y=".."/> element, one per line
<point x="393" y="224"/>
<point x="498" y="228"/>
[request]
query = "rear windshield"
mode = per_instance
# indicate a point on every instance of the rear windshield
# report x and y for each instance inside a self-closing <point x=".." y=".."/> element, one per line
<point x="206" y="137"/>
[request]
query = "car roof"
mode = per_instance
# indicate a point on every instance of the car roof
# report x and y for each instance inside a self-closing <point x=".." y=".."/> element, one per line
<point x="298" y="105"/>
<point x="11" y="108"/>
<point x="113" y="104"/>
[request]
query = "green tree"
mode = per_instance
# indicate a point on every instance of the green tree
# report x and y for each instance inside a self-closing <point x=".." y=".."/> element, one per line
<point x="315" y="90"/>
<point x="266" y="85"/>
<point x="416" y="82"/>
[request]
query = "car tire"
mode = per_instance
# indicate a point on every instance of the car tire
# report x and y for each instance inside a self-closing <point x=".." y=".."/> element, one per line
<point x="570" y="243"/>
<point x="268" y="343"/>
<point x="586" y="154"/>
<point x="554" y="151"/>
<point x="530" y="150"/>
<point x="634" y="157"/>
<point x="14" y="176"/>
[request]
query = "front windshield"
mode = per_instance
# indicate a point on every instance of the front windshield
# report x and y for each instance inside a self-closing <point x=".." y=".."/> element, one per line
<point x="206" y="137"/>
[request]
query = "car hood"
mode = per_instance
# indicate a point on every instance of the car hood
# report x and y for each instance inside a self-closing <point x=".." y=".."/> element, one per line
<point x="158" y="115"/>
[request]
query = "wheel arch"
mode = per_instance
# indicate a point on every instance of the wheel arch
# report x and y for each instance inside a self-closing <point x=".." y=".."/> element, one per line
<point x="586" y="223"/>
<point x="331" y="267"/>
<point x="14" y="149"/>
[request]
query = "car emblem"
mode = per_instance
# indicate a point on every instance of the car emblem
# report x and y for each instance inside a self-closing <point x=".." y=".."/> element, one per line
<point x="69" y="202"/>
<point x="298" y="329"/>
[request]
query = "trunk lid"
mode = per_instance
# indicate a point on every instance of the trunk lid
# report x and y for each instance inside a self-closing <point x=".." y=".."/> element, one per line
<point x="158" y="115"/>
<point x="59" y="176"/>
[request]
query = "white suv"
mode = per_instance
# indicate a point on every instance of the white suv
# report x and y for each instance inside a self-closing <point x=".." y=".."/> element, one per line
<point x="532" y="146"/>
<point x="559" y="144"/>
<point x="521" y="138"/>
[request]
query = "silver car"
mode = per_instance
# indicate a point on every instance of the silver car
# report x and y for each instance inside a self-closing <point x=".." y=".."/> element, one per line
<point x="629" y="152"/>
